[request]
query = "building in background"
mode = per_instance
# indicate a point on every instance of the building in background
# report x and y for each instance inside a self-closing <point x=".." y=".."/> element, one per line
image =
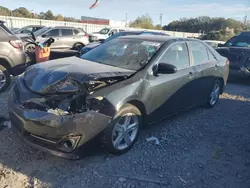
<point x="101" y="21"/>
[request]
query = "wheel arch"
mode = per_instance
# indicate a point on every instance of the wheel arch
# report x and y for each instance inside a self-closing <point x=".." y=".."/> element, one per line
<point x="4" y="62"/>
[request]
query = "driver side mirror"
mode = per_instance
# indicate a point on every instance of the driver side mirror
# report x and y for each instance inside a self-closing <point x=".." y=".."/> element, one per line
<point x="164" y="68"/>
<point x="220" y="45"/>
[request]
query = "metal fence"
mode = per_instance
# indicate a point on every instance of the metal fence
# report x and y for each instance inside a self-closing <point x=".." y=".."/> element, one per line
<point x="16" y="22"/>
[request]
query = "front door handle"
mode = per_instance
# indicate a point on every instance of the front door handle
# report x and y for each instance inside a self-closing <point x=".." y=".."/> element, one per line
<point x="216" y="67"/>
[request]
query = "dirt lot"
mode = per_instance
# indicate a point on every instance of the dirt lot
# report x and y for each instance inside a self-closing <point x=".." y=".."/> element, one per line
<point x="199" y="148"/>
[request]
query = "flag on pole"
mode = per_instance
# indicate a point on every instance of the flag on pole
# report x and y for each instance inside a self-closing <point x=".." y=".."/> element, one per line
<point x="94" y="5"/>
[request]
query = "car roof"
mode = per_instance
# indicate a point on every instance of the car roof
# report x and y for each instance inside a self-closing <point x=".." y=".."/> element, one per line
<point x="156" y="38"/>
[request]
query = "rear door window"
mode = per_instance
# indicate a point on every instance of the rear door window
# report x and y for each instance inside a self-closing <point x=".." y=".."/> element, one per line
<point x="199" y="52"/>
<point x="177" y="54"/>
<point x="76" y="32"/>
<point x="67" y="32"/>
<point x="53" y="33"/>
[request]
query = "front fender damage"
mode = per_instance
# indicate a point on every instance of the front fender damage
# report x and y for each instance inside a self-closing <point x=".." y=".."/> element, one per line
<point x="59" y="115"/>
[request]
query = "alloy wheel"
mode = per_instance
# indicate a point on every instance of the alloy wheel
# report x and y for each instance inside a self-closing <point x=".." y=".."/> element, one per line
<point x="215" y="94"/>
<point x="2" y="79"/>
<point x="125" y="131"/>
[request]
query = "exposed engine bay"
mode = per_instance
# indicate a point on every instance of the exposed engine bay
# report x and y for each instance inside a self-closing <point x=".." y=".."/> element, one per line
<point x="72" y="102"/>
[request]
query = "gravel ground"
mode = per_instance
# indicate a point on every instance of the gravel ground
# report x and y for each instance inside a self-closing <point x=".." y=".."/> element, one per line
<point x="198" y="148"/>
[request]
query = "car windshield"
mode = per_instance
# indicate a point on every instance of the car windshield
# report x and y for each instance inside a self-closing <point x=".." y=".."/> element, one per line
<point x="104" y="31"/>
<point x="41" y="31"/>
<point x="132" y="54"/>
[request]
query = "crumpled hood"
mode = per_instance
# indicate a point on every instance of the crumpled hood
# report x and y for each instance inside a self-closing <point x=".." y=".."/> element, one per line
<point x="68" y="75"/>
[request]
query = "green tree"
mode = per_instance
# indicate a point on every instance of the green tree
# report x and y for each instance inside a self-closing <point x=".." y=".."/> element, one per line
<point x="4" y="11"/>
<point x="21" y="12"/>
<point x="145" y="21"/>
<point x="48" y="15"/>
<point x="59" y="17"/>
<point x="158" y="27"/>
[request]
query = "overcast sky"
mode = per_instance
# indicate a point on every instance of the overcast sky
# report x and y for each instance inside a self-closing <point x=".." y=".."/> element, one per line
<point x="117" y="9"/>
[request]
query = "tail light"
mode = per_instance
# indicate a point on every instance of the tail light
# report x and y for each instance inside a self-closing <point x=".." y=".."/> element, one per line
<point x="228" y="62"/>
<point x="86" y="35"/>
<point x="16" y="43"/>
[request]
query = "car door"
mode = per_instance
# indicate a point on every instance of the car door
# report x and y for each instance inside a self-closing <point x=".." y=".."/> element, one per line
<point x="171" y="93"/>
<point x="205" y="65"/>
<point x="67" y="39"/>
<point x="55" y="34"/>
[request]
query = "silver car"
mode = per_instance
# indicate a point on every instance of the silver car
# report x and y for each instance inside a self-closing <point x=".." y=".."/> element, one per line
<point x="12" y="56"/>
<point x="65" y="38"/>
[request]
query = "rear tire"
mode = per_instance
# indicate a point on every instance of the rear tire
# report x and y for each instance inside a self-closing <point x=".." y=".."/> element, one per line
<point x="29" y="48"/>
<point x="4" y="78"/>
<point x="123" y="131"/>
<point x="214" y="94"/>
<point x="78" y="46"/>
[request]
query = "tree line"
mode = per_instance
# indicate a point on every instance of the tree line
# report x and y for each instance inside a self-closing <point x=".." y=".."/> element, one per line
<point x="25" y="13"/>
<point x="211" y="28"/>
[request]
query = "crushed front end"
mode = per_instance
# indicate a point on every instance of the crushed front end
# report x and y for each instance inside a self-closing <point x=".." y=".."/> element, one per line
<point x="60" y="116"/>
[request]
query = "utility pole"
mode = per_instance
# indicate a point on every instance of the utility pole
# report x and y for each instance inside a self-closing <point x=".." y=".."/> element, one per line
<point x="126" y="19"/>
<point x="245" y="21"/>
<point x="161" y="19"/>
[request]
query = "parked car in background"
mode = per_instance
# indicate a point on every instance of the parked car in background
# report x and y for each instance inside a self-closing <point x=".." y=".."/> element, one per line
<point x="65" y="38"/>
<point x="109" y="92"/>
<point x="104" y="34"/>
<point x="213" y="43"/>
<point x="25" y="31"/>
<point x="12" y="56"/>
<point x="123" y="33"/>
<point x="237" y="50"/>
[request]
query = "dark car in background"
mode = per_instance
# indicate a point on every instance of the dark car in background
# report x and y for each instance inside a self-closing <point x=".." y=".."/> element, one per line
<point x="12" y="56"/>
<point x="109" y="92"/>
<point x="27" y="30"/>
<point x="237" y="50"/>
<point x="119" y="34"/>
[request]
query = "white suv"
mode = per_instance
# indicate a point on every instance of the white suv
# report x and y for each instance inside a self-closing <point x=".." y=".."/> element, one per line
<point x="104" y="34"/>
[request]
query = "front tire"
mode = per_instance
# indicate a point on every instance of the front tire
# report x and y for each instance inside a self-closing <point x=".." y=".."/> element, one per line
<point x="214" y="94"/>
<point x="123" y="131"/>
<point x="4" y="78"/>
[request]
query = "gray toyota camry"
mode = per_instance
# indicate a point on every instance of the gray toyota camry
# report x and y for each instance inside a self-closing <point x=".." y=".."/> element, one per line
<point x="112" y="91"/>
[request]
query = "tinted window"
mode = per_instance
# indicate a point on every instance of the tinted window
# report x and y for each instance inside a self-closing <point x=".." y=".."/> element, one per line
<point x="177" y="55"/>
<point x="199" y="51"/>
<point x="36" y="29"/>
<point x="53" y="33"/>
<point x="239" y="41"/>
<point x="76" y="31"/>
<point x="67" y="32"/>
<point x="27" y="30"/>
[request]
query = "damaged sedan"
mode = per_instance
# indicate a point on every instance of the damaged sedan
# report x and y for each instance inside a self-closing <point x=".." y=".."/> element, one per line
<point x="112" y="91"/>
